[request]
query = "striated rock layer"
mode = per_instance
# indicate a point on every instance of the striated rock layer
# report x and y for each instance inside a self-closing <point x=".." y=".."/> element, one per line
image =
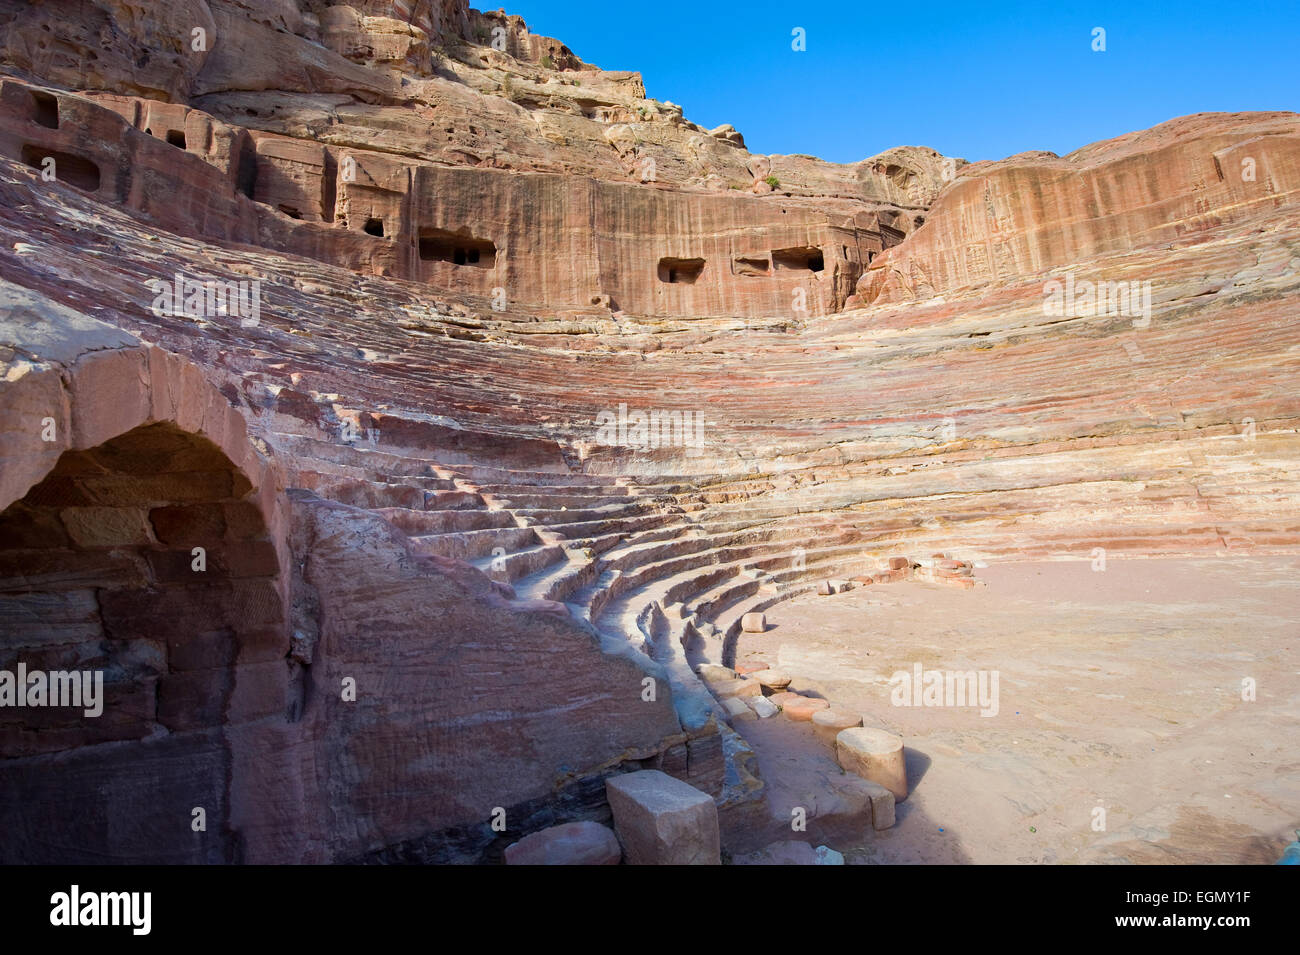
<point x="453" y="580"/>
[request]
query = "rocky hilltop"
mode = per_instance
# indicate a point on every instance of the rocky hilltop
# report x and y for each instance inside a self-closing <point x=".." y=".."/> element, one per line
<point x="522" y="390"/>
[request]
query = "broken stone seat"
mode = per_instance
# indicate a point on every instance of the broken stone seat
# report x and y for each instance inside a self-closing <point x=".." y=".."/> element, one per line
<point x="874" y="754"/>
<point x="661" y="820"/>
<point x="828" y="723"/>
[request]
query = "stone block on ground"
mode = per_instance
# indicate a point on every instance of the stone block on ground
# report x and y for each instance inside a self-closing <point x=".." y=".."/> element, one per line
<point x="775" y="680"/>
<point x="883" y="805"/>
<point x="571" y="843"/>
<point x="725" y="689"/>
<point x="736" y="709"/>
<point x="753" y="623"/>
<point x="712" y="671"/>
<point x="663" y="821"/>
<point x="874" y="754"/>
<point x="830" y="722"/>
<point x="802" y="708"/>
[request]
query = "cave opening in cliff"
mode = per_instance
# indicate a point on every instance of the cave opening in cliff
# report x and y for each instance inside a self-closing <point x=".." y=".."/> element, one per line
<point x="176" y="137"/>
<point x="74" y="170"/>
<point x="46" y="109"/>
<point x="374" y="227"/>
<point x="676" y="271"/>
<point x="802" y="258"/>
<point x="438" y="245"/>
<point x="246" y="172"/>
<point x="140" y="573"/>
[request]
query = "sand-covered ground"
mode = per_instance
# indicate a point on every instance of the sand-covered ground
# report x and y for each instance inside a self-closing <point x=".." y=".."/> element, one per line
<point x="1119" y="690"/>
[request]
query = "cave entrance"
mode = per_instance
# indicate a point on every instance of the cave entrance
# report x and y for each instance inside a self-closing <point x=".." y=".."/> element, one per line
<point x="74" y="170"/>
<point x="680" y="271"/>
<point x="801" y="258"/>
<point x="143" y="565"/>
<point x="45" y="109"/>
<point x="438" y="245"/>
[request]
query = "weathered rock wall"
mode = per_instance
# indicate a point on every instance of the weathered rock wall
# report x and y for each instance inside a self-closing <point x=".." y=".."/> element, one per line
<point x="292" y="681"/>
<point x="1175" y="183"/>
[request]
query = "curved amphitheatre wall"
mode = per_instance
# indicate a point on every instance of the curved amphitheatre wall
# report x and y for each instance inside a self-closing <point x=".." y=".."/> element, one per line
<point x="477" y="268"/>
<point x="147" y="538"/>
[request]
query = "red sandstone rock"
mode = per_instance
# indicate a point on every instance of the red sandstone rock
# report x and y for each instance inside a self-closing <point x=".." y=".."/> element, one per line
<point x="571" y="843"/>
<point x="663" y="821"/>
<point x="875" y="755"/>
<point x="775" y="680"/>
<point x="724" y="689"/>
<point x="373" y="186"/>
<point x="829" y="722"/>
<point x="802" y="708"/>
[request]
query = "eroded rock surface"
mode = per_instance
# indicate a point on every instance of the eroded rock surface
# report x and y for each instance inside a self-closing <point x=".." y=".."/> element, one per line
<point x="547" y="392"/>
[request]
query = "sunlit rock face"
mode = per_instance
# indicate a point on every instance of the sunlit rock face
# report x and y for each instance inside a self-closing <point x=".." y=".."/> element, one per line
<point x="496" y="395"/>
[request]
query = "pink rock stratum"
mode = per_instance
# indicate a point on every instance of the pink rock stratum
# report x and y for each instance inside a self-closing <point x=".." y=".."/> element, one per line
<point x="396" y="427"/>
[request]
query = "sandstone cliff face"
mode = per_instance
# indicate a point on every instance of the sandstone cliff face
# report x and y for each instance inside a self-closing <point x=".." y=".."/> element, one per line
<point x="1176" y="183"/>
<point x="365" y="118"/>
<point x="470" y="261"/>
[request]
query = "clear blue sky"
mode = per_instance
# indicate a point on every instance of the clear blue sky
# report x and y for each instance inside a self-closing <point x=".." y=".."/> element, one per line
<point x="975" y="80"/>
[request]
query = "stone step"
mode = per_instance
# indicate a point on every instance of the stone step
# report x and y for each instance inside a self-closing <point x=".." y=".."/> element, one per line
<point x="613" y="526"/>
<point x="519" y="564"/>
<point x="323" y="473"/>
<point x="369" y="494"/>
<point x="588" y="601"/>
<point x="485" y="474"/>
<point x="453" y="500"/>
<point x="318" y="450"/>
<point x="608" y="542"/>
<point x="519" y="501"/>
<point x="558" y="492"/>
<point x="559" y="581"/>
<point x="549" y="516"/>
<point x="639" y="553"/>
<point x="475" y="545"/>
<point x="424" y="523"/>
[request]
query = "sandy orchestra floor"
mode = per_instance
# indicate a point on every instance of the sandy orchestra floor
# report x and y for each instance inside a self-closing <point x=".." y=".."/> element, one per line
<point x="1120" y="689"/>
